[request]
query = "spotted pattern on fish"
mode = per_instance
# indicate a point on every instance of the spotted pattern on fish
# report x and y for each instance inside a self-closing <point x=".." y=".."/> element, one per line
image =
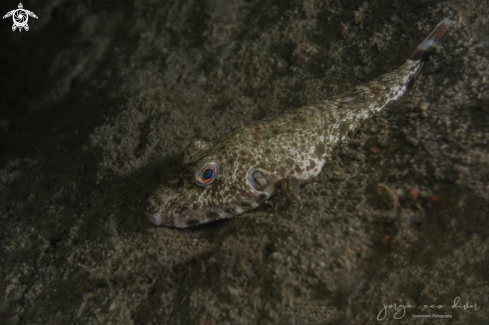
<point x="249" y="163"/>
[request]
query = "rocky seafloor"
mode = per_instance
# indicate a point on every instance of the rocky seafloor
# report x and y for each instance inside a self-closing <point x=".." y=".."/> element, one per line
<point x="99" y="98"/>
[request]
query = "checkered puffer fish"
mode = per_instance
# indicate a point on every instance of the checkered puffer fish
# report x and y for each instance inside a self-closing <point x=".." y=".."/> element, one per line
<point x="242" y="169"/>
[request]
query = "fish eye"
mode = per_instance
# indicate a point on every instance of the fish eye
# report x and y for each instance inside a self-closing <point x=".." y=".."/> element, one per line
<point x="207" y="174"/>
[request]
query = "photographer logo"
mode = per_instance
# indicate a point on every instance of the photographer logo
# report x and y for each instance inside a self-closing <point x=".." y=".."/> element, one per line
<point x="20" y="17"/>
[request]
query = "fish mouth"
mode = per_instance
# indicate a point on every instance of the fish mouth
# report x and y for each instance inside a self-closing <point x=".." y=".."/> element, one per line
<point x="183" y="218"/>
<point x="170" y="219"/>
<point x="167" y="219"/>
<point x="159" y="217"/>
<point x="156" y="219"/>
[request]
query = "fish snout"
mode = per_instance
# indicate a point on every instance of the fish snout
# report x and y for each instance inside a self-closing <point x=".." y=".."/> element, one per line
<point x="158" y="217"/>
<point x="157" y="207"/>
<point x="166" y="207"/>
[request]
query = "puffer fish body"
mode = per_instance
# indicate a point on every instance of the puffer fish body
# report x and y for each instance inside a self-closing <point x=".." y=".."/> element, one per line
<point x="243" y="168"/>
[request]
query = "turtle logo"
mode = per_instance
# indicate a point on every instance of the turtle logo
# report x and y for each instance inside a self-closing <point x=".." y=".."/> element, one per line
<point x="20" y="17"/>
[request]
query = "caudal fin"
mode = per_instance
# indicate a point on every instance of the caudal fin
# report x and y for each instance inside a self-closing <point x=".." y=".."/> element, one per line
<point x="421" y="52"/>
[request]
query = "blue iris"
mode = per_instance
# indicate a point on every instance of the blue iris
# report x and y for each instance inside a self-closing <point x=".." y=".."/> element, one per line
<point x="208" y="173"/>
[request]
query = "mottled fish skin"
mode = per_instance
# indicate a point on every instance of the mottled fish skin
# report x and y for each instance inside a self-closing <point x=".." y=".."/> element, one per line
<point x="254" y="159"/>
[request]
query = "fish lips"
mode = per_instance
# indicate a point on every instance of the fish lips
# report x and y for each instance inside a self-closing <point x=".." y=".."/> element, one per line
<point x="161" y="211"/>
<point x="184" y="217"/>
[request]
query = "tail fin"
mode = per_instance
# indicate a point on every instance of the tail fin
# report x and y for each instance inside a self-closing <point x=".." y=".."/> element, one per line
<point x="421" y="52"/>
